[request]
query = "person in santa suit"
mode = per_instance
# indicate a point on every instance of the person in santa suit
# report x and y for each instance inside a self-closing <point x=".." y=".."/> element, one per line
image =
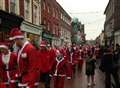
<point x="69" y="53"/>
<point x="81" y="56"/>
<point x="46" y="57"/>
<point x="75" y="57"/>
<point x="8" y="67"/>
<point x="59" y="70"/>
<point x="26" y="60"/>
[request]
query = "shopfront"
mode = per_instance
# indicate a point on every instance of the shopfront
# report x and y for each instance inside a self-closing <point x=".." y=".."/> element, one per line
<point x="47" y="36"/>
<point x="117" y="37"/>
<point x="7" y="21"/>
<point x="32" y="32"/>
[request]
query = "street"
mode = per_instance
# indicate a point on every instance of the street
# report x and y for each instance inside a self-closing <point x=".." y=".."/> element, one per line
<point x="79" y="81"/>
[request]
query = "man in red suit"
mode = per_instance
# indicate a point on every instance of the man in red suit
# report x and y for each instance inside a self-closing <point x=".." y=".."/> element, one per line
<point x="2" y="85"/>
<point x="67" y="51"/>
<point x="59" y="70"/>
<point x="46" y="57"/>
<point x="8" y="67"/>
<point x="26" y="59"/>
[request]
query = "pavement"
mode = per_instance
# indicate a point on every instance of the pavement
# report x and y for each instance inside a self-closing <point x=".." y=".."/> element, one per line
<point x="79" y="80"/>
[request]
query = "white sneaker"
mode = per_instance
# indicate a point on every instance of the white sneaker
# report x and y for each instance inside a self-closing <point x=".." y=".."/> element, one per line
<point x="89" y="84"/>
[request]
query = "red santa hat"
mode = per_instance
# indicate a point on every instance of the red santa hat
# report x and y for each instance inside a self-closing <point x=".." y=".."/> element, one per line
<point x="4" y="45"/>
<point x="43" y="43"/>
<point x="16" y="33"/>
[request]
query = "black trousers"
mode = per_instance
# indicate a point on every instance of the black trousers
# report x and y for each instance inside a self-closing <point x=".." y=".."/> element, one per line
<point x="45" y="78"/>
<point x="115" y="76"/>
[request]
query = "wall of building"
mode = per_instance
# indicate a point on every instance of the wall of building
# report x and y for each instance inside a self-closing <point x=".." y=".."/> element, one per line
<point x="65" y="25"/>
<point x="112" y="25"/>
<point x="29" y="10"/>
<point x="41" y="15"/>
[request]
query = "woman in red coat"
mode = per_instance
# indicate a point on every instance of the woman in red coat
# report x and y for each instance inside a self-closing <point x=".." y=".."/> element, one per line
<point x="8" y="67"/>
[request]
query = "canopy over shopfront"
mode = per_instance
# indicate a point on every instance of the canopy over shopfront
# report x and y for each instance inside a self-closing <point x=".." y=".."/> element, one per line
<point x="7" y="21"/>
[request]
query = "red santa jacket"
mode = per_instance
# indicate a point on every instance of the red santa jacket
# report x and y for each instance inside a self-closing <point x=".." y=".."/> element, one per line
<point x="60" y="68"/>
<point x="2" y="85"/>
<point x="9" y="68"/>
<point x="46" y="59"/>
<point x="75" y="56"/>
<point x="27" y="61"/>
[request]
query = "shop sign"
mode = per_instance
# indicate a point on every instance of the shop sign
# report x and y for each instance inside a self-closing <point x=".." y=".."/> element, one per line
<point x="28" y="27"/>
<point x="46" y="35"/>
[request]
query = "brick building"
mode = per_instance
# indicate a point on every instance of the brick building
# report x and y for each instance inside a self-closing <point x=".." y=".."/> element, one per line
<point x="57" y="22"/>
<point x="112" y="23"/>
<point x="43" y="19"/>
<point x="29" y="10"/>
<point x="50" y="19"/>
<point x="65" y="25"/>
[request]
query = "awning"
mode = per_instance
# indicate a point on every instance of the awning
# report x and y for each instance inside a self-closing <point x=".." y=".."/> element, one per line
<point x="8" y="20"/>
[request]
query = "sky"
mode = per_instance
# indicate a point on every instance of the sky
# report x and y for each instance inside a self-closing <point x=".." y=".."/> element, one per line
<point x="89" y="12"/>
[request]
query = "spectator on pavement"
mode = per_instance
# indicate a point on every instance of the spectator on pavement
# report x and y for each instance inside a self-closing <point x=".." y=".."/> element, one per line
<point x="107" y="66"/>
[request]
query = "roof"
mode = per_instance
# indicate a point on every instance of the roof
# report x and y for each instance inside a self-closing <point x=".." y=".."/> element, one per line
<point x="61" y="8"/>
<point x="107" y="6"/>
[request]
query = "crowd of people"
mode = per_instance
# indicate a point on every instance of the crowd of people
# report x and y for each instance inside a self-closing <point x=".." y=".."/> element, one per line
<point x="110" y="66"/>
<point x="25" y="65"/>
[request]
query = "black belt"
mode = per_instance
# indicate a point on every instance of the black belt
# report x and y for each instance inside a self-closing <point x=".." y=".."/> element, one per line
<point x="9" y="69"/>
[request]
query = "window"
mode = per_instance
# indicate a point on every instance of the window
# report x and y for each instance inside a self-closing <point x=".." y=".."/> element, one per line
<point x="27" y="9"/>
<point x="48" y="9"/>
<point x="44" y="6"/>
<point x="1" y="4"/>
<point x="48" y="26"/>
<point x="54" y="28"/>
<point x="35" y="10"/>
<point x="53" y="12"/>
<point x="44" y="22"/>
<point x="13" y="6"/>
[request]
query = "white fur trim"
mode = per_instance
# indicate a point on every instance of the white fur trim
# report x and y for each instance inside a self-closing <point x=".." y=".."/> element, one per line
<point x="20" y="52"/>
<point x="22" y="85"/>
<point x="15" y="37"/>
<point x="24" y="55"/>
<point x="68" y="78"/>
<point x="42" y="45"/>
<point x="3" y="46"/>
<point x="13" y="81"/>
<point x="16" y="75"/>
<point x="37" y="83"/>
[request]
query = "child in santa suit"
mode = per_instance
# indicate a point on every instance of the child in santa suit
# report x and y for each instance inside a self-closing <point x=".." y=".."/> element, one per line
<point x="8" y="67"/>
<point x="59" y="70"/>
